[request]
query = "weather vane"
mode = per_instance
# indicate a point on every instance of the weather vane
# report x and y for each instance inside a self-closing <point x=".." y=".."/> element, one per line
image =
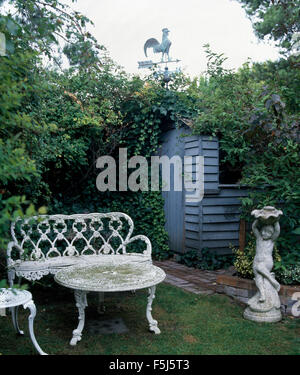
<point x="163" y="48"/>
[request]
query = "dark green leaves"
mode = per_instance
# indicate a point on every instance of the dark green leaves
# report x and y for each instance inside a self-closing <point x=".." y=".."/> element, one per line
<point x="277" y="20"/>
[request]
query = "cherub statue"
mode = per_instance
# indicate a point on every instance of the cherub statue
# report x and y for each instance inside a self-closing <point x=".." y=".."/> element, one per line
<point x="264" y="306"/>
<point x="263" y="260"/>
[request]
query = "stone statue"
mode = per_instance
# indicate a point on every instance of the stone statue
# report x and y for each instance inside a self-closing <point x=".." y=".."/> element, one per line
<point x="264" y="306"/>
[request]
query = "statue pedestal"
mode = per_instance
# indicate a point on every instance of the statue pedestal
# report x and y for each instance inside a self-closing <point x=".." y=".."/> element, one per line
<point x="271" y="316"/>
<point x="266" y="311"/>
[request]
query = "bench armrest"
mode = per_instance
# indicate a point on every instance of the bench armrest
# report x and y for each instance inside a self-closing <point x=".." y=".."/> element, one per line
<point x="10" y="261"/>
<point x="148" y="250"/>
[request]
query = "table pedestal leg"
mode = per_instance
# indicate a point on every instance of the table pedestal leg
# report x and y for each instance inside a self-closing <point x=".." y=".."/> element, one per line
<point x="14" y="315"/>
<point x="152" y="323"/>
<point x="31" y="306"/>
<point x="81" y="303"/>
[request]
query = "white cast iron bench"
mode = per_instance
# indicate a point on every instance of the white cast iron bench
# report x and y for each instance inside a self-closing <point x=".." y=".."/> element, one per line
<point x="45" y="244"/>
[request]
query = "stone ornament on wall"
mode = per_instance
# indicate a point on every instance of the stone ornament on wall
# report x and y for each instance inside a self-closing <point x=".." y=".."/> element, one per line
<point x="264" y="306"/>
<point x="296" y="306"/>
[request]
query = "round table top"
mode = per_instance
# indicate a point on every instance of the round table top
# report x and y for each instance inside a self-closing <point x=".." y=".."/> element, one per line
<point x="10" y="297"/>
<point x="110" y="277"/>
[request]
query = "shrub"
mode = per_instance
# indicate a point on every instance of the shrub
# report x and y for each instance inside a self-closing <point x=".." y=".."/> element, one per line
<point x="289" y="274"/>
<point x="205" y="260"/>
<point x="243" y="263"/>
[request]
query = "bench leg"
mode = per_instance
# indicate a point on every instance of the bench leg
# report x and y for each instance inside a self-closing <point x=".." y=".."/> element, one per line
<point x="31" y="306"/>
<point x="152" y="322"/>
<point x="81" y="303"/>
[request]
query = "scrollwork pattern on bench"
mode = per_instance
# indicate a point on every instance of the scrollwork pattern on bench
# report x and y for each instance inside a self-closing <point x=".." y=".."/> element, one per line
<point x="42" y="239"/>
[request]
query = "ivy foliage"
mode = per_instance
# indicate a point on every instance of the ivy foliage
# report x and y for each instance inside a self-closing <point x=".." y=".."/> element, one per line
<point x="207" y="260"/>
<point x="55" y="122"/>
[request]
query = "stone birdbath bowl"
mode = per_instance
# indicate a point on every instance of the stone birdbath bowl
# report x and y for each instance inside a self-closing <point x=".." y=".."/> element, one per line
<point x="267" y="215"/>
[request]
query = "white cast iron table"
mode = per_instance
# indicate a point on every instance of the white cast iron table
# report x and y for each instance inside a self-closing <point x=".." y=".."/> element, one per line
<point x="12" y="299"/>
<point x="110" y="277"/>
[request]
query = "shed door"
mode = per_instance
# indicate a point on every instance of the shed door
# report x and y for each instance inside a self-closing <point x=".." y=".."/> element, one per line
<point x="172" y="144"/>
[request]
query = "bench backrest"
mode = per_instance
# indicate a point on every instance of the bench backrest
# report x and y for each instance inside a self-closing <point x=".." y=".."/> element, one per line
<point x="46" y="236"/>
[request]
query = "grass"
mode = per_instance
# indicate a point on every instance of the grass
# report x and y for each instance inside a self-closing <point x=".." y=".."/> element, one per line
<point x="190" y="324"/>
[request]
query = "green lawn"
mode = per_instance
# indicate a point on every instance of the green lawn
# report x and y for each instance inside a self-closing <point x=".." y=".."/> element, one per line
<point x="190" y="324"/>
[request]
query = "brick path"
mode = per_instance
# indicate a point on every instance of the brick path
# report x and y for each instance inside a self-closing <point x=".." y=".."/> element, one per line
<point x="191" y="279"/>
<point x="205" y="282"/>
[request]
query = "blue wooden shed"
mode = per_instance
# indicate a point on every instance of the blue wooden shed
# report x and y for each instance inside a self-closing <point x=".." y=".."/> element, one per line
<point x="212" y="223"/>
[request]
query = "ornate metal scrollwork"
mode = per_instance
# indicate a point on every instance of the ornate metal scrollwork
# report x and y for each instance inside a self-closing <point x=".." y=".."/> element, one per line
<point x="42" y="238"/>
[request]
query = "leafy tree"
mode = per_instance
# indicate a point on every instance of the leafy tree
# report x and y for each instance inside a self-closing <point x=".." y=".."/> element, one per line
<point x="44" y="24"/>
<point x="281" y="76"/>
<point x="276" y="19"/>
<point x="55" y="123"/>
<point x="260" y="135"/>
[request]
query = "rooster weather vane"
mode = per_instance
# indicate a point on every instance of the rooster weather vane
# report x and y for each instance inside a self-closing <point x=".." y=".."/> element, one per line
<point x="163" y="48"/>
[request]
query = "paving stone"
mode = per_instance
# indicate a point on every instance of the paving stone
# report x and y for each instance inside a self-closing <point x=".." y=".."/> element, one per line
<point x="205" y="292"/>
<point x="175" y="280"/>
<point x="242" y="292"/>
<point x="242" y="299"/>
<point x="196" y="290"/>
<point x="230" y="290"/>
<point x="219" y="289"/>
<point x="191" y="279"/>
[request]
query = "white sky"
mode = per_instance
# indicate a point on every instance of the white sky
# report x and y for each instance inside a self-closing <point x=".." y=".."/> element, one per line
<point x="123" y="26"/>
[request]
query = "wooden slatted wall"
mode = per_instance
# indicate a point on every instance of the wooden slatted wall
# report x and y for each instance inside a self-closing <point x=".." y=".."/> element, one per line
<point x="212" y="223"/>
